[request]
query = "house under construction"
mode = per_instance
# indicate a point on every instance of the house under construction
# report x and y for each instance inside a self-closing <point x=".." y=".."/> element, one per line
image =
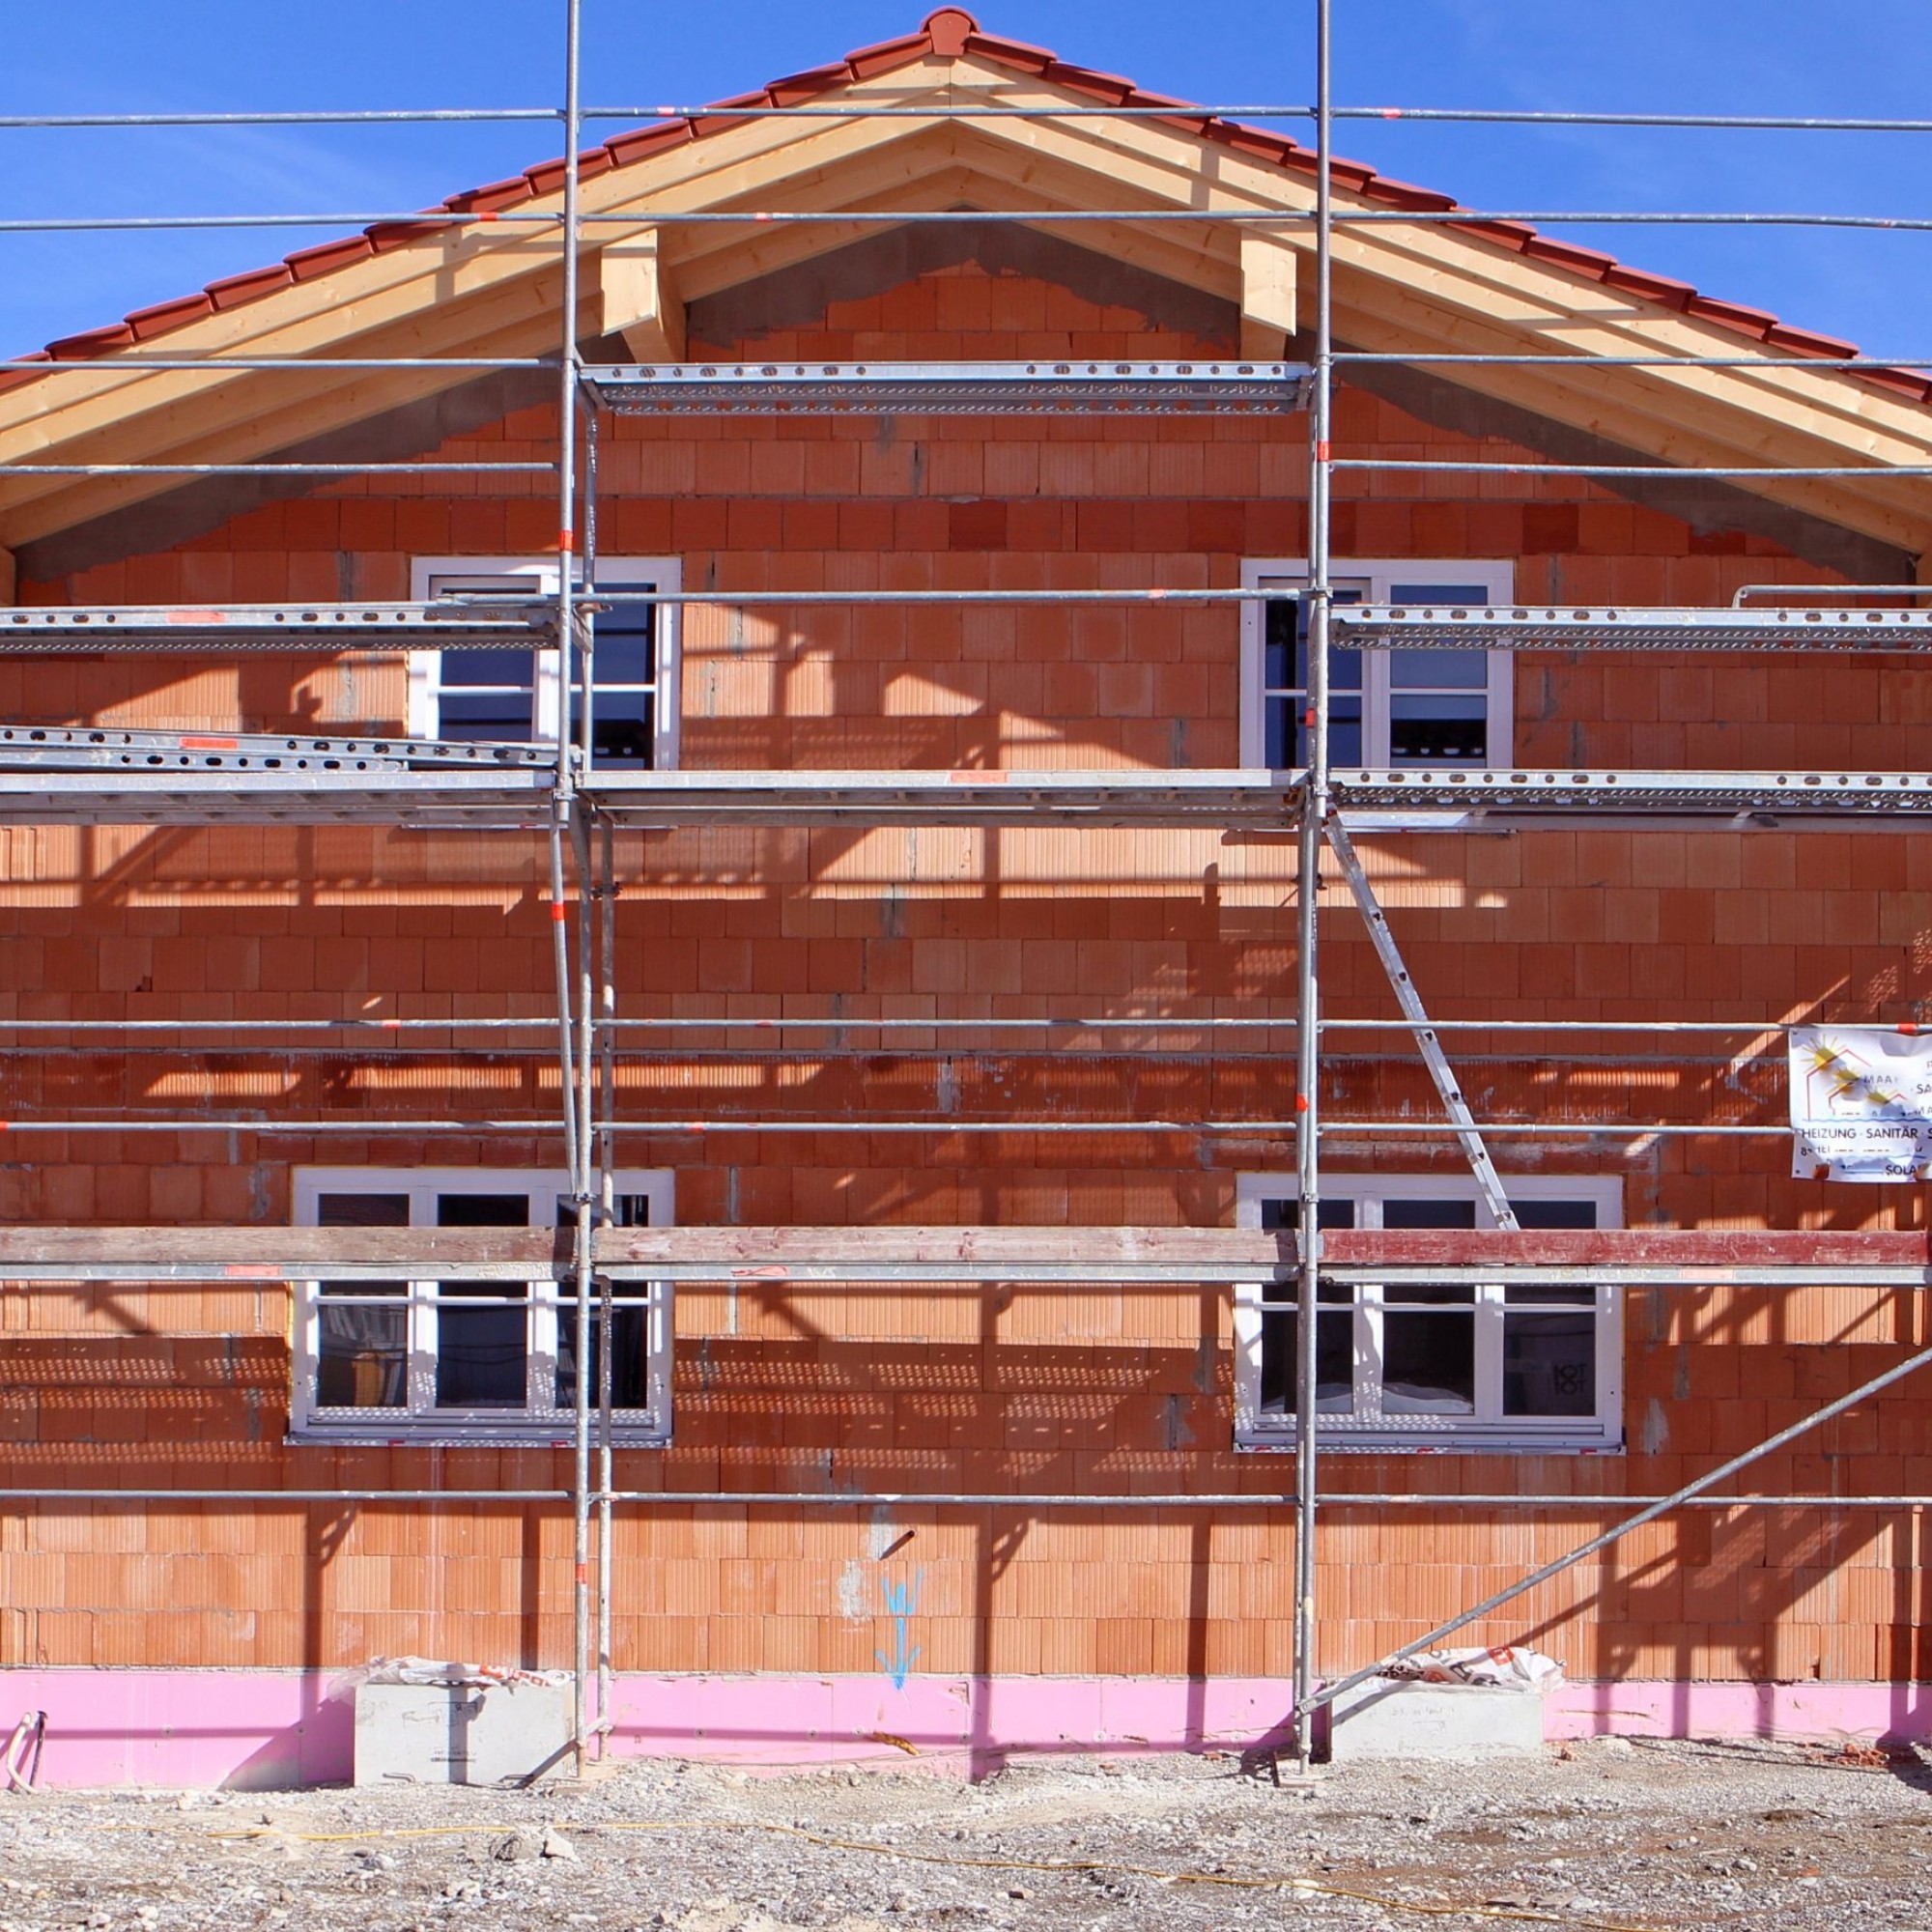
<point x="730" y="868"/>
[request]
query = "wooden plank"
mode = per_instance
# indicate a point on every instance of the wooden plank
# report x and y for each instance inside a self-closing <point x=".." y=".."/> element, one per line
<point x="10" y="577"/>
<point x="779" y="1255"/>
<point x="272" y="1254"/>
<point x="637" y="300"/>
<point x="1267" y="293"/>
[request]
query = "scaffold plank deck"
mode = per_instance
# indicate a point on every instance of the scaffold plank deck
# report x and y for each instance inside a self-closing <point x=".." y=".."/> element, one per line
<point x="502" y="800"/>
<point x="471" y="623"/>
<point x="1450" y="798"/>
<point x="1153" y="1255"/>
<point x="1799" y="627"/>
<point x="1073" y="387"/>
<point x="1254" y="799"/>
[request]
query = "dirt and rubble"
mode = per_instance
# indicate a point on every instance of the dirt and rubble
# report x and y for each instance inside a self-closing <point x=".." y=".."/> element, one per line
<point x="1607" y="1833"/>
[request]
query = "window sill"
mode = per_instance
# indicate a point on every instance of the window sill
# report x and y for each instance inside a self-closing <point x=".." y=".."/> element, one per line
<point x="457" y="1435"/>
<point x="1362" y="1442"/>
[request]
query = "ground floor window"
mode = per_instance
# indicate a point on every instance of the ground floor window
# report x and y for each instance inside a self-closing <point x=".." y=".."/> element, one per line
<point x="1437" y="1365"/>
<point x="468" y="1359"/>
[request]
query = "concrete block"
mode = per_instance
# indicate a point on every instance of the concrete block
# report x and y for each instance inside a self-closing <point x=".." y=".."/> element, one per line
<point x="1385" y="1717"/>
<point x="436" y="1734"/>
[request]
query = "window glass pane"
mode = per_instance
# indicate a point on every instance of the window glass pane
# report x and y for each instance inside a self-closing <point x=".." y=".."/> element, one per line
<point x="1345" y="730"/>
<point x="626" y="641"/>
<point x="1556" y="1214"/>
<point x="621" y="730"/>
<point x="630" y="1326"/>
<point x="1550" y="1363"/>
<point x="1280" y="655"/>
<point x="1276" y="725"/>
<point x="1285" y="743"/>
<point x="1334" y="1362"/>
<point x="1439" y="670"/>
<point x="482" y="1354"/>
<point x="1477" y="594"/>
<point x="1442" y="729"/>
<point x="491" y="670"/>
<point x="1427" y="1213"/>
<point x="1334" y="1328"/>
<point x="1429" y="1363"/>
<point x="479" y="719"/>
<point x="361" y="1352"/>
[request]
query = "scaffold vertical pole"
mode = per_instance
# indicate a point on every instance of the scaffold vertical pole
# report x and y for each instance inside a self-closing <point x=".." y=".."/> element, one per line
<point x="579" y="1099"/>
<point x="606" y="1068"/>
<point x="574" y="1091"/>
<point x="1308" y="891"/>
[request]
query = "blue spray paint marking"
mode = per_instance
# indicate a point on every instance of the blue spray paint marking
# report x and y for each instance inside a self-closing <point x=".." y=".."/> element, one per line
<point x="902" y="1601"/>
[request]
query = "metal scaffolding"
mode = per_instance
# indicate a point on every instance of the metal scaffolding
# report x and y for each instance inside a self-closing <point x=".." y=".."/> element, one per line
<point x="559" y="794"/>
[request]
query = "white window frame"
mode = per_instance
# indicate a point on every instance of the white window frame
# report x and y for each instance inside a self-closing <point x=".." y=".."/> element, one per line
<point x="539" y="575"/>
<point x="421" y="1420"/>
<point x="1376" y="578"/>
<point x="1488" y="1429"/>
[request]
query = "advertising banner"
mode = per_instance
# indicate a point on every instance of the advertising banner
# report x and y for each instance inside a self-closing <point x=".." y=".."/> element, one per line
<point x="1861" y="1104"/>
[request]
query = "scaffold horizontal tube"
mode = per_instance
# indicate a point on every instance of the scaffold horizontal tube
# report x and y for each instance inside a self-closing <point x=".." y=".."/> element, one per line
<point x="118" y="364"/>
<point x="1584" y="358"/>
<point x="1680" y="470"/>
<point x="274" y="469"/>
<point x="973" y="110"/>
<point x="991" y="1499"/>
<point x="1273" y="217"/>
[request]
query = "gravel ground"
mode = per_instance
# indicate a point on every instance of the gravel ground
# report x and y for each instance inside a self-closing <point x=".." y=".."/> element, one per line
<point x="1609" y="1834"/>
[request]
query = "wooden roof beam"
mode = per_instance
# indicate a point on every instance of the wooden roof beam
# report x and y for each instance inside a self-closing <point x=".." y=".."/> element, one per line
<point x="637" y="298"/>
<point x="1267" y="294"/>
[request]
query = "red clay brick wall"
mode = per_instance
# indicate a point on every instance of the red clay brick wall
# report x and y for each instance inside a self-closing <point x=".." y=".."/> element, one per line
<point x="924" y="1389"/>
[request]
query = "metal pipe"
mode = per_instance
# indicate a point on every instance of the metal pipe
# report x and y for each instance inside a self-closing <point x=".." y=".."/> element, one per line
<point x="273" y="468"/>
<point x="1190" y="111"/>
<point x="1585" y="359"/>
<point x="1308" y="902"/>
<point x="1692" y="1489"/>
<point x="1682" y="472"/>
<point x="845" y="1023"/>
<point x="283" y="118"/>
<point x="118" y="364"/>
<point x="1803" y="594"/>
<point x="967" y="1499"/>
<point x="452" y="1025"/>
<point x="581" y="1099"/>
<point x="734" y="599"/>
<point x="607" y="1194"/>
<point x="975" y="111"/>
<point x="362" y="1124"/>
<point x="575" y="1095"/>
<point x="1275" y="217"/>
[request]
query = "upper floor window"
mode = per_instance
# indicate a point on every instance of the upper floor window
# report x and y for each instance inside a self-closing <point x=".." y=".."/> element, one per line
<point x="455" y="1360"/>
<point x="513" y="696"/>
<point x="1385" y="708"/>
<point x="1435" y="1365"/>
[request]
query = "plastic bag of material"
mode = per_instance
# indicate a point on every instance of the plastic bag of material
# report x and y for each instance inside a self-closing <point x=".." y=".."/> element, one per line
<point x="1512" y="1668"/>
<point x="431" y="1671"/>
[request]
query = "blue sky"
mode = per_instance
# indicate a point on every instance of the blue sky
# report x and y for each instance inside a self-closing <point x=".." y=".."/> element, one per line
<point x="1724" y="56"/>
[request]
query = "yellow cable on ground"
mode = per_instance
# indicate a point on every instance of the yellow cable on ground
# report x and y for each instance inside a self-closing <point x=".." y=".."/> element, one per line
<point x="1307" y="1887"/>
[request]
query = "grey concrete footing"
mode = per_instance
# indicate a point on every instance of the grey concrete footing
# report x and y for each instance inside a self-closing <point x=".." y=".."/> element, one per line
<point x="1386" y="1717"/>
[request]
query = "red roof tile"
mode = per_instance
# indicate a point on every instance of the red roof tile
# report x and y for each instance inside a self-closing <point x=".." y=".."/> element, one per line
<point x="948" y="34"/>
